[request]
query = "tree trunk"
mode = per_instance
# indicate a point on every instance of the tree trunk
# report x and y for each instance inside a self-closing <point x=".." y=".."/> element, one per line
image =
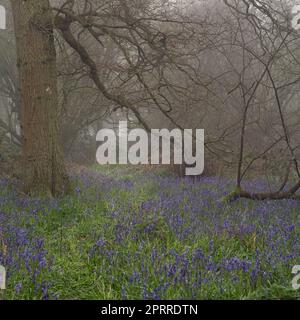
<point x="43" y="165"/>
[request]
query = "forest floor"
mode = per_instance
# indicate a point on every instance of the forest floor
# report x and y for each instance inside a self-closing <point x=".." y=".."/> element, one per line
<point x="130" y="233"/>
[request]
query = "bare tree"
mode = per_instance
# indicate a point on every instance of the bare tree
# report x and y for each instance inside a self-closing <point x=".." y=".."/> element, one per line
<point x="274" y="49"/>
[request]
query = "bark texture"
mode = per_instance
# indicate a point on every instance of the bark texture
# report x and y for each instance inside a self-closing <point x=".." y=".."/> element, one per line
<point x="43" y="164"/>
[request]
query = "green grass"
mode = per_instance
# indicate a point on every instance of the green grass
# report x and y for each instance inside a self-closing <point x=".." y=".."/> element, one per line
<point x="133" y="267"/>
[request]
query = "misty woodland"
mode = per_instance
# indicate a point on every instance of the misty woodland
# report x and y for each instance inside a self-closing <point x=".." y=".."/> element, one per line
<point x="73" y="227"/>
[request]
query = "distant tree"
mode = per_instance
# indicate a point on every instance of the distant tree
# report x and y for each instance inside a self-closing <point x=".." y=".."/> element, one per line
<point x="9" y="93"/>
